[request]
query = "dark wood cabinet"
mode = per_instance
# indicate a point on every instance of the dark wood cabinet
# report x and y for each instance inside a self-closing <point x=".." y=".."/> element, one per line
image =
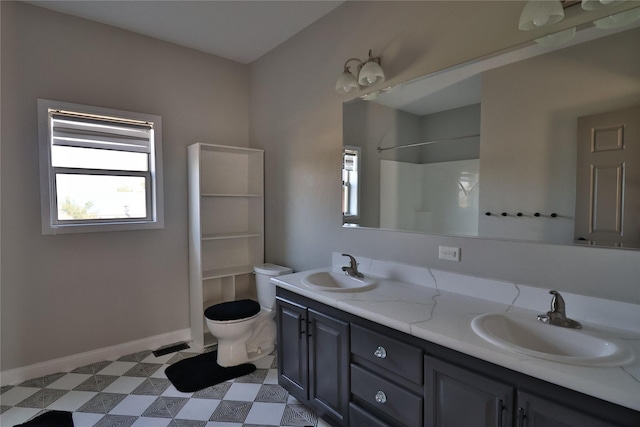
<point x="386" y="377"/>
<point x="293" y="353"/>
<point x="328" y="364"/>
<point x="386" y="398"/>
<point x="313" y="359"/>
<point x="534" y="411"/>
<point x="353" y="372"/>
<point x="456" y="397"/>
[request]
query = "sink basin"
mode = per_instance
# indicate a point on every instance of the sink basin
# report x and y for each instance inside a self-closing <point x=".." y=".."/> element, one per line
<point x="526" y="335"/>
<point x="337" y="282"/>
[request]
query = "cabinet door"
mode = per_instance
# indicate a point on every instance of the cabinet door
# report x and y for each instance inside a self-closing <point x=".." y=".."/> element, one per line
<point x="534" y="411"/>
<point x="292" y="348"/>
<point x="328" y="364"/>
<point x="455" y="397"/>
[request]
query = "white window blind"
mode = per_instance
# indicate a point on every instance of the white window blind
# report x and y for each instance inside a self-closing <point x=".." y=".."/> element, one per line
<point x="86" y="131"/>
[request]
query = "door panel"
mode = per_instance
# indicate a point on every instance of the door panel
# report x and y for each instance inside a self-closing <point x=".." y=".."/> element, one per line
<point x="292" y="348"/>
<point x="608" y="179"/>
<point x="538" y="412"/>
<point x="328" y="363"/>
<point x="457" y="397"/>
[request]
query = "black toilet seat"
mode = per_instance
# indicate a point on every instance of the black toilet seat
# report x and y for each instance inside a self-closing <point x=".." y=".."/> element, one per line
<point x="232" y="310"/>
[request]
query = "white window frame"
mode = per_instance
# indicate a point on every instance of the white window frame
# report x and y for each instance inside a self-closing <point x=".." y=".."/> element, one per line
<point x="351" y="183"/>
<point x="155" y="199"/>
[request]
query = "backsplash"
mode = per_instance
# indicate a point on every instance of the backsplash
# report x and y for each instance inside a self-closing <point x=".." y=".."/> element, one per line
<point x="615" y="314"/>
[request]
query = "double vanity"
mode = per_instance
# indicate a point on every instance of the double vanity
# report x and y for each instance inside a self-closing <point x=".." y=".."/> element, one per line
<point x="409" y="346"/>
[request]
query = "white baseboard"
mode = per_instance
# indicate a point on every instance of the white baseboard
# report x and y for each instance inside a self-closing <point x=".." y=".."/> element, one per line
<point x="69" y="363"/>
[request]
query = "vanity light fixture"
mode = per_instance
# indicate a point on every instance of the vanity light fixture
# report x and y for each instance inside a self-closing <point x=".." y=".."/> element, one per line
<point x="599" y="4"/>
<point x="370" y="96"/>
<point x="369" y="73"/>
<point x="540" y="13"/>
<point x="557" y="39"/>
<point x="618" y="20"/>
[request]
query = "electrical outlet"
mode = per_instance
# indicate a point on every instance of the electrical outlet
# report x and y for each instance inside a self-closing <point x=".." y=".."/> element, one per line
<point x="449" y="253"/>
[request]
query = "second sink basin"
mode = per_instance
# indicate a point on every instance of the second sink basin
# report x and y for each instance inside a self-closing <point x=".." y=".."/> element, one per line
<point x="527" y="335"/>
<point x="337" y="282"/>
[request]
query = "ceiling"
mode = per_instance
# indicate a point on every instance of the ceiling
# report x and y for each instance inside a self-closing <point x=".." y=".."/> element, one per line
<point x="239" y="30"/>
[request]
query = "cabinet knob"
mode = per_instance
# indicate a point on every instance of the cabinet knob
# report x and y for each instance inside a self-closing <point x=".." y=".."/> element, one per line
<point x="381" y="397"/>
<point x="380" y="352"/>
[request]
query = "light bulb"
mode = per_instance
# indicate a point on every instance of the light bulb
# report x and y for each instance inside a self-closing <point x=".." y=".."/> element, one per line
<point x="539" y="13"/>
<point x="541" y="20"/>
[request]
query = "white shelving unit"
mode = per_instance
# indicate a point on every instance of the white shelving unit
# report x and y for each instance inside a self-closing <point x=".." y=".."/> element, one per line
<point x="226" y="228"/>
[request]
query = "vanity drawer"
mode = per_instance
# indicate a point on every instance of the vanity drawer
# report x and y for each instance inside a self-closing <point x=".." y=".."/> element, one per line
<point x="360" y="417"/>
<point x="386" y="397"/>
<point x="395" y="356"/>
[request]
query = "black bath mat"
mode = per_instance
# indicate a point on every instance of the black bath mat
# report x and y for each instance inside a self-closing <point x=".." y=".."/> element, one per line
<point x="51" y="419"/>
<point x="202" y="371"/>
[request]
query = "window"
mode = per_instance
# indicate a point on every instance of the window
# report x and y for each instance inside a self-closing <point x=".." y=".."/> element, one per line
<point x="100" y="169"/>
<point x="350" y="178"/>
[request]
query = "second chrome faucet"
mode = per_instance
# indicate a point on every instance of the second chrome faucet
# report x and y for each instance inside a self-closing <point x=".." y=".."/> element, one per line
<point x="558" y="315"/>
<point x="352" y="269"/>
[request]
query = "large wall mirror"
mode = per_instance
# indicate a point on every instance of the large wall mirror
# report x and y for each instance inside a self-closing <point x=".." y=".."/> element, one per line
<point x="540" y="143"/>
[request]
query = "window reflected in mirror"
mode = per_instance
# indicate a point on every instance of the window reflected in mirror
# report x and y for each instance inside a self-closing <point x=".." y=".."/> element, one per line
<point x="350" y="182"/>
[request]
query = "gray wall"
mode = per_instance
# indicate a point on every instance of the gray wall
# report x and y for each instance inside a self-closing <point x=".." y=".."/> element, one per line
<point x="298" y="121"/>
<point x="451" y="124"/>
<point x="68" y="294"/>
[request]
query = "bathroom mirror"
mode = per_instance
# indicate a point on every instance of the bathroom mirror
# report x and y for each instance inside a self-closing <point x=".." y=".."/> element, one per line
<point x="489" y="148"/>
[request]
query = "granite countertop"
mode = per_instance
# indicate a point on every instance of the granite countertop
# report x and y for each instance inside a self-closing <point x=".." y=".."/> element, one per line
<point x="444" y="317"/>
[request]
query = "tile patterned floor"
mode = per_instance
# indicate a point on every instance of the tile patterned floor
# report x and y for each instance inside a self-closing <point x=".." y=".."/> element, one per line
<point x="134" y="391"/>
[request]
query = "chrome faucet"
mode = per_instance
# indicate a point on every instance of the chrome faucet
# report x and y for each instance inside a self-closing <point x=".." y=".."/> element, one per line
<point x="352" y="270"/>
<point x="558" y="315"/>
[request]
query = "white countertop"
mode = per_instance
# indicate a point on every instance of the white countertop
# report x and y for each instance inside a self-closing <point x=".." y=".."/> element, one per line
<point x="427" y="311"/>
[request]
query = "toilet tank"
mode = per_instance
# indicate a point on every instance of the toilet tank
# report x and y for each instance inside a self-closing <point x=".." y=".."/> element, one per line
<point x="265" y="289"/>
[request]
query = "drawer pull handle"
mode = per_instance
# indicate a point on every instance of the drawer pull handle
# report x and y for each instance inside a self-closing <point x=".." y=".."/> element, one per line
<point x="380" y="352"/>
<point x="381" y="397"/>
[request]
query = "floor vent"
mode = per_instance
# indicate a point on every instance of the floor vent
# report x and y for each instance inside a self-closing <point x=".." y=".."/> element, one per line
<point x="171" y="348"/>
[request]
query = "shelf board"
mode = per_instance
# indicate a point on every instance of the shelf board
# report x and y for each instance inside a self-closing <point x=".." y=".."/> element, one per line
<point x="225" y="236"/>
<point x="217" y="148"/>
<point x="226" y="272"/>
<point x="240" y="195"/>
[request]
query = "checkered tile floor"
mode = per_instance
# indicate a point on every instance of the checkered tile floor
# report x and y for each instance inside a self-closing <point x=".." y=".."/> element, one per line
<point x="134" y="391"/>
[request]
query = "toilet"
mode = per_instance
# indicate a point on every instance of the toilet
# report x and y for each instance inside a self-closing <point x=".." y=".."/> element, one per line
<point x="246" y="329"/>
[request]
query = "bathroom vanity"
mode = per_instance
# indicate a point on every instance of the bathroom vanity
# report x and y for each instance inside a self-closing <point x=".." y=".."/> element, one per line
<point x="403" y="353"/>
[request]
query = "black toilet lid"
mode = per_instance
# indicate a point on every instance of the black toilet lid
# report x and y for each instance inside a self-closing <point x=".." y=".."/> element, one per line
<point x="232" y="310"/>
